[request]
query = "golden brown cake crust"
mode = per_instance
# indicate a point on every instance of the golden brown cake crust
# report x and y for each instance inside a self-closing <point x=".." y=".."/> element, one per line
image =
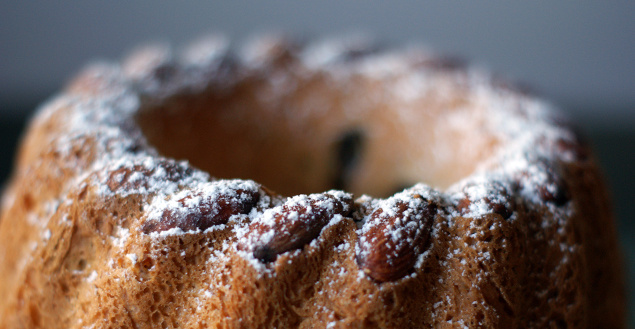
<point x="102" y="228"/>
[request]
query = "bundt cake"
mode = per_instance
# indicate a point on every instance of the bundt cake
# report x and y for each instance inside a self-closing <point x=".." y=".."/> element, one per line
<point x="281" y="184"/>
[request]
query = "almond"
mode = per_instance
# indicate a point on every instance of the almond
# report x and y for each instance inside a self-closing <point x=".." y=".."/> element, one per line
<point x="576" y="148"/>
<point x="394" y="235"/>
<point x="554" y="190"/>
<point x="297" y="222"/>
<point x="498" y="200"/>
<point x="167" y="170"/>
<point x="551" y="187"/>
<point x="505" y="206"/>
<point x="198" y="211"/>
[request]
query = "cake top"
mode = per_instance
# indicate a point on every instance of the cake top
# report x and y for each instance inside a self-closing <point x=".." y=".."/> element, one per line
<point x="103" y="102"/>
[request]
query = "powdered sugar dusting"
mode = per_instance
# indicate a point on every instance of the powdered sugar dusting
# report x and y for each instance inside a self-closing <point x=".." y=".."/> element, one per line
<point x="102" y="106"/>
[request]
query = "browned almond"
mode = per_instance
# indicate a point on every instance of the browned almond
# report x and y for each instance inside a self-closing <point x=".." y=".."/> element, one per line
<point x="464" y="205"/>
<point x="504" y="207"/>
<point x="296" y="223"/>
<point x="498" y="201"/>
<point x="393" y="236"/>
<point x="169" y="171"/>
<point x="552" y="188"/>
<point x="199" y="211"/>
<point x="575" y="147"/>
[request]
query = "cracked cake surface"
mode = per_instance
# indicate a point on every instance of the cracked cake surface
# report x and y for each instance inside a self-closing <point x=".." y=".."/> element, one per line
<point x="303" y="185"/>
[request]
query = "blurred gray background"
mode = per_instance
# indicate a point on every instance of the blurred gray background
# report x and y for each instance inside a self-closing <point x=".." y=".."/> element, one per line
<point x="578" y="54"/>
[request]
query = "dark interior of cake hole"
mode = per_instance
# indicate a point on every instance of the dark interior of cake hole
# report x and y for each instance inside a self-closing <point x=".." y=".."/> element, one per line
<point x="318" y="137"/>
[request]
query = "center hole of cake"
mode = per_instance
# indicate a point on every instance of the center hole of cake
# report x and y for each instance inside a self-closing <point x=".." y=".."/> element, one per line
<point x="311" y="140"/>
